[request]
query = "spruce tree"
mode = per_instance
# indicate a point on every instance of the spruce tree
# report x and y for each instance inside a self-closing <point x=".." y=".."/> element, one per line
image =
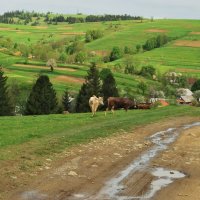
<point x="109" y="88"/>
<point x="6" y="108"/>
<point x="91" y="87"/>
<point x="196" y="86"/>
<point x="42" y="99"/>
<point x="82" y="100"/>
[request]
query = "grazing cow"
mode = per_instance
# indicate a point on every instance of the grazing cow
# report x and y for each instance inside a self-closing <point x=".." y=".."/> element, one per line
<point x="119" y="102"/>
<point x="94" y="103"/>
<point x="144" y="106"/>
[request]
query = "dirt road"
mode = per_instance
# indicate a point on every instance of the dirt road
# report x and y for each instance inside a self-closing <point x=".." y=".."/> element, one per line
<point x="151" y="162"/>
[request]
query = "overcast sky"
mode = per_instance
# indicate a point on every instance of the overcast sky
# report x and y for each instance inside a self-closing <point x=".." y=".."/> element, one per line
<point x="146" y="8"/>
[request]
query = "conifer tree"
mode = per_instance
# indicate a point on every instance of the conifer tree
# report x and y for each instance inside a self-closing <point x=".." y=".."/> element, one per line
<point x="42" y="99"/>
<point x="6" y="108"/>
<point x="91" y="87"/>
<point x="109" y="88"/>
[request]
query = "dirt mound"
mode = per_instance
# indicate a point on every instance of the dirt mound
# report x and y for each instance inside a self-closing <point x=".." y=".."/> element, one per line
<point x="73" y="33"/>
<point x="188" y="70"/>
<point x="44" y="67"/>
<point x="69" y="79"/>
<point x="5" y="29"/>
<point x="101" y="52"/>
<point x="41" y="27"/>
<point x="22" y="32"/>
<point x="195" y="33"/>
<point x="187" y="43"/>
<point x="156" y="31"/>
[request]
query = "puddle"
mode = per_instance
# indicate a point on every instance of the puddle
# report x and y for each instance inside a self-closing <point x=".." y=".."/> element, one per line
<point x="33" y="195"/>
<point x="161" y="141"/>
<point x="114" y="188"/>
<point x="164" y="178"/>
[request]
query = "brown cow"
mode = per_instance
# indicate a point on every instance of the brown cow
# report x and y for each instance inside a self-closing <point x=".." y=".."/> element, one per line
<point x="119" y="102"/>
<point x="144" y="105"/>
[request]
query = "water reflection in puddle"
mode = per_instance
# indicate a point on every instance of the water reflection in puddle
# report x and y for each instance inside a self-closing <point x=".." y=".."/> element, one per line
<point x="161" y="141"/>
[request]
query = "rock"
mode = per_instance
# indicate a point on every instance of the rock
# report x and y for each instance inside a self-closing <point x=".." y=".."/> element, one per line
<point x="183" y="195"/>
<point x="192" y="134"/>
<point x="187" y="163"/>
<point x="72" y="173"/>
<point x="116" y="154"/>
<point x="140" y="146"/>
<point x="171" y="172"/>
<point x="46" y="167"/>
<point x="49" y="160"/>
<point x="94" y="165"/>
<point x="13" y="177"/>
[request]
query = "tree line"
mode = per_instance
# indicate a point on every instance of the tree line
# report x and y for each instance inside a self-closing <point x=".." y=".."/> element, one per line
<point x="26" y="16"/>
<point x="91" y="18"/>
<point x="8" y="17"/>
<point x="43" y="98"/>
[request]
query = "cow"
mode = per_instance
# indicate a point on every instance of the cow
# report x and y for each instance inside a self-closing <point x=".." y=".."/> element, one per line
<point x="144" y="105"/>
<point x="119" y="102"/>
<point x="94" y="103"/>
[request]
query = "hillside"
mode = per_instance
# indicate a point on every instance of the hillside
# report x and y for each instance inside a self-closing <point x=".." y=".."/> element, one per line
<point x="24" y="50"/>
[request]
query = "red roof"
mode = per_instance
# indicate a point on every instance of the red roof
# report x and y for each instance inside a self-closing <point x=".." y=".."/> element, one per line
<point x="163" y="102"/>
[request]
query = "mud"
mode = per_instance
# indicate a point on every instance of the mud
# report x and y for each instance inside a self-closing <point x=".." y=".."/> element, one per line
<point x="151" y="162"/>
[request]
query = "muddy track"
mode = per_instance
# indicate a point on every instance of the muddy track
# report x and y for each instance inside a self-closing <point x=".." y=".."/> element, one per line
<point x="122" y="167"/>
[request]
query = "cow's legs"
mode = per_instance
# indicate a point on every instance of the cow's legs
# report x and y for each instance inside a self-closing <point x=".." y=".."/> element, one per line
<point x="112" y="109"/>
<point x="107" y="109"/>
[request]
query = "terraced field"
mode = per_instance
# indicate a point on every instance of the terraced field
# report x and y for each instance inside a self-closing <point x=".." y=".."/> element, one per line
<point x="181" y="55"/>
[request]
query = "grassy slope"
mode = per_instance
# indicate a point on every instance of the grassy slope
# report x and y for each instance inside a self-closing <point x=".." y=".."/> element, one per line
<point x="52" y="133"/>
<point x="128" y="33"/>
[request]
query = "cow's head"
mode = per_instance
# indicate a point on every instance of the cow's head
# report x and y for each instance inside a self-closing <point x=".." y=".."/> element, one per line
<point x="101" y="101"/>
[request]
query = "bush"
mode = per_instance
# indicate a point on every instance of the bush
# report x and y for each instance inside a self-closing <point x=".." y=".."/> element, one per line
<point x="93" y="35"/>
<point x="148" y="71"/>
<point x="115" y="54"/>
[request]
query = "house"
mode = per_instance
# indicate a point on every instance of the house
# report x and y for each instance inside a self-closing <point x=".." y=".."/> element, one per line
<point x="185" y="96"/>
<point x="184" y="92"/>
<point x="185" y="100"/>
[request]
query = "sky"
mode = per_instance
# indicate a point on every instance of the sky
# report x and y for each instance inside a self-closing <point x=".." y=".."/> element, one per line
<point x="189" y="9"/>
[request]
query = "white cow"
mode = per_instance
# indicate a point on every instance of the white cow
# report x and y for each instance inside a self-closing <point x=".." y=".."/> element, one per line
<point x="94" y="103"/>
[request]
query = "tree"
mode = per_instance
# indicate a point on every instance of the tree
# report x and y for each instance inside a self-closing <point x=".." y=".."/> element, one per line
<point x="89" y="88"/>
<point x="63" y="57"/>
<point x="109" y="88"/>
<point x="52" y="64"/>
<point x="80" y="57"/>
<point x="93" y="35"/>
<point x="142" y="87"/>
<point x="196" y="86"/>
<point x="127" y="50"/>
<point x="6" y="108"/>
<point x="148" y="71"/>
<point x="66" y="100"/>
<point x="130" y="65"/>
<point x="115" y="54"/>
<point x="138" y="47"/>
<point x="42" y="99"/>
<point x="197" y="95"/>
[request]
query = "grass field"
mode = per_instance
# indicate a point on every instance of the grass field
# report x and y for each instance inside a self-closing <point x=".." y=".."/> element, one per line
<point x="184" y="59"/>
<point x="49" y="134"/>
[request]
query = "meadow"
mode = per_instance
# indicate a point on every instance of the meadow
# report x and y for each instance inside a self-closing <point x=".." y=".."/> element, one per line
<point x="171" y="57"/>
<point x="49" y="134"/>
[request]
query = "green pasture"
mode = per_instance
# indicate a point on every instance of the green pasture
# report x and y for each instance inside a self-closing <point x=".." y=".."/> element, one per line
<point x="52" y="133"/>
<point x="120" y="33"/>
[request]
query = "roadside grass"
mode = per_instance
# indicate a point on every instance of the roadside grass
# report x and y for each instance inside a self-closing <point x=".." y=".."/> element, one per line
<point x="46" y="135"/>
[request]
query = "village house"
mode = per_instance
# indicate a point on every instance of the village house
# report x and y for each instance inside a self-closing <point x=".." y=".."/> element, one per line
<point x="185" y="96"/>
